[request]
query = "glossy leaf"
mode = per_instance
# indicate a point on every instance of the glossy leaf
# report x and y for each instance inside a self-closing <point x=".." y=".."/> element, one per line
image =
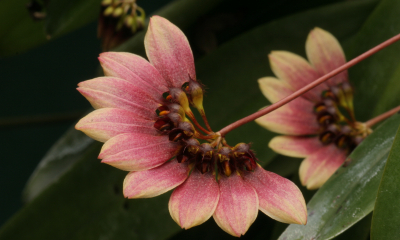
<point x="59" y="160"/>
<point x="386" y="217"/>
<point x="359" y="231"/>
<point x="87" y="203"/>
<point x="349" y="195"/>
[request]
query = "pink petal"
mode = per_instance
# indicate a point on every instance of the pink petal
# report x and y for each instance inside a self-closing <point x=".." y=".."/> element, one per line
<point x="194" y="202"/>
<point x="118" y="93"/>
<point x="317" y="168"/>
<point x="274" y="89"/>
<point x="138" y="66"/>
<point x="237" y="207"/>
<point x="116" y="68"/>
<point x="169" y="51"/>
<point x="137" y="151"/>
<point x="325" y="54"/>
<point x="295" y="146"/>
<point x="296" y="72"/>
<point x="156" y="181"/>
<point x="295" y="118"/>
<point x="279" y="198"/>
<point x="105" y="123"/>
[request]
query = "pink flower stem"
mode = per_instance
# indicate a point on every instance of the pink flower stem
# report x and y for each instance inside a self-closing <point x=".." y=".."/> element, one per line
<point x="197" y="124"/>
<point x="310" y="86"/>
<point x="382" y="117"/>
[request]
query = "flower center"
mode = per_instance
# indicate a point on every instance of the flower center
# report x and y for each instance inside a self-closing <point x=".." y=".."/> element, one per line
<point x="335" y="115"/>
<point x="199" y="147"/>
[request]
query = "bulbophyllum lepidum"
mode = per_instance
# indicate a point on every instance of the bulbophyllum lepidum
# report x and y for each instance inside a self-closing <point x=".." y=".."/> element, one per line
<point x="143" y="114"/>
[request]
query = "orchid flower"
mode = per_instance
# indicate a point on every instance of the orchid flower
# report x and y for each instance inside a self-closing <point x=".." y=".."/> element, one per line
<point x="320" y="125"/>
<point x="144" y="117"/>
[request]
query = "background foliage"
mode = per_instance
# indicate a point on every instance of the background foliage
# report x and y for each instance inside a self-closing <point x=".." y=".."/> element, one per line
<point x="70" y="195"/>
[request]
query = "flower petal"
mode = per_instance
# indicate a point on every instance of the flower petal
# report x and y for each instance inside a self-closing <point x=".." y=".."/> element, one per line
<point x="294" y="118"/>
<point x="156" y="181"/>
<point x="325" y="54"/>
<point x="295" y="146"/>
<point x="169" y="51"/>
<point x="279" y="198"/>
<point x="194" y="202"/>
<point x="317" y="168"/>
<point x="139" y="67"/>
<point x="274" y="89"/>
<point x="105" y="123"/>
<point x="114" y="67"/>
<point x="296" y="72"/>
<point x="118" y="93"/>
<point x="137" y="151"/>
<point x="237" y="207"/>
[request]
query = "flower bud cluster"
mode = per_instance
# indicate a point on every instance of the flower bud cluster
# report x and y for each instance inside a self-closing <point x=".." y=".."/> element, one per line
<point x="225" y="160"/>
<point x="176" y="120"/>
<point x="119" y="20"/>
<point x="335" y="116"/>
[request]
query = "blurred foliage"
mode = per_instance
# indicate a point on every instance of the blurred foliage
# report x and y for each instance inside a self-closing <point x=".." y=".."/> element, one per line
<point x="72" y="196"/>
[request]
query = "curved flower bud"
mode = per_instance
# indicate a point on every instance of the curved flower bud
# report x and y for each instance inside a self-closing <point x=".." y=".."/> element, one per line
<point x="196" y="95"/>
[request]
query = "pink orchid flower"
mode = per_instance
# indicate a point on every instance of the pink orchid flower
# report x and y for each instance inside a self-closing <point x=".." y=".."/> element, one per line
<point x="316" y="128"/>
<point x="160" y="149"/>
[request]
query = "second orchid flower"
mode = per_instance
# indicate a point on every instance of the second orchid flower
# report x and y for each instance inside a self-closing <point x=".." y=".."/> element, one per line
<point x="320" y="126"/>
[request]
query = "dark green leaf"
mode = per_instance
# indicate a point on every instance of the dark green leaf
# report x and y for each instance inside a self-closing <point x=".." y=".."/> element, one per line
<point x="66" y="15"/>
<point x="359" y="231"/>
<point x="18" y="32"/>
<point x="87" y="203"/>
<point x="59" y="160"/>
<point x="349" y="195"/>
<point x="386" y="218"/>
<point x="376" y="78"/>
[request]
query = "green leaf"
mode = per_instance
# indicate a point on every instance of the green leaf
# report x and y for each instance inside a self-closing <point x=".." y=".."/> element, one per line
<point x="66" y="15"/>
<point x="386" y="217"/>
<point x="18" y="32"/>
<point x="58" y="160"/>
<point x="87" y="203"/>
<point x="349" y="195"/>
<point x="359" y="231"/>
<point x="376" y="78"/>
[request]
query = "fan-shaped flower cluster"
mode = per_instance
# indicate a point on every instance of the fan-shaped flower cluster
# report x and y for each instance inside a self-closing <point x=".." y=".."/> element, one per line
<point x="144" y="117"/>
<point x="321" y="124"/>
